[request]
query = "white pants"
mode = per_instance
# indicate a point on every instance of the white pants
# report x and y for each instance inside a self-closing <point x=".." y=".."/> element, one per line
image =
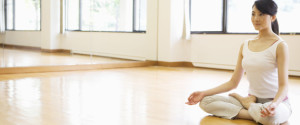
<point x="228" y="107"/>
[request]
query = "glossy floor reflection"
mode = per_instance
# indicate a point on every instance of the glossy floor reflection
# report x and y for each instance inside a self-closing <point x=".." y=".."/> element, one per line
<point x="12" y="57"/>
<point x="129" y="96"/>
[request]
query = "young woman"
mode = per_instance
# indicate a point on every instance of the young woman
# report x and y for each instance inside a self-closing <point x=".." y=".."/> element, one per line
<point x="265" y="61"/>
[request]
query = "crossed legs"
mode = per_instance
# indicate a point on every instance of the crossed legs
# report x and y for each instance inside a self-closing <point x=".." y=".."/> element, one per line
<point x="236" y="106"/>
<point x="246" y="102"/>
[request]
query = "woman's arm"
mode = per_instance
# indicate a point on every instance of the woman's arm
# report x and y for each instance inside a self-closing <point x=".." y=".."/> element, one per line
<point x="282" y="62"/>
<point x="282" y="56"/>
<point x="238" y="73"/>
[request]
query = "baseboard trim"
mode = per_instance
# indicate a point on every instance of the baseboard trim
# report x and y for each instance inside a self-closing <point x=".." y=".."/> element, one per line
<point x="175" y="64"/>
<point x="214" y="66"/>
<point x="10" y="46"/>
<point x="61" y="68"/>
<point x="128" y="64"/>
<point x="56" y="50"/>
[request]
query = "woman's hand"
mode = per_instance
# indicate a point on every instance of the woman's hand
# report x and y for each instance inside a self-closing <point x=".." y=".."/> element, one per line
<point x="195" y="97"/>
<point x="269" y="111"/>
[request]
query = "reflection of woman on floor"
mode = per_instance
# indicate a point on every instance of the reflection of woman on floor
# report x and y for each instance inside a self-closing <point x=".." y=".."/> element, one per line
<point x="265" y="61"/>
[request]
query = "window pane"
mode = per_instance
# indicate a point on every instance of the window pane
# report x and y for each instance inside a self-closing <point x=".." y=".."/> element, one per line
<point x="288" y="19"/>
<point x="27" y="14"/>
<point x="140" y="15"/>
<point x="86" y="14"/>
<point x="72" y="17"/>
<point x="9" y="14"/>
<point x="206" y="15"/>
<point x="239" y="16"/>
<point x="107" y="15"/>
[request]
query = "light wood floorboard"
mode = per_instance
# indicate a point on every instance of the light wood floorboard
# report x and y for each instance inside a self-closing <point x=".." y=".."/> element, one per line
<point x="127" y="96"/>
<point x="15" y="57"/>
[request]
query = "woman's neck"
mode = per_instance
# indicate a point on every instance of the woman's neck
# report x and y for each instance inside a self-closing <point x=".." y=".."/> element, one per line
<point x="266" y="33"/>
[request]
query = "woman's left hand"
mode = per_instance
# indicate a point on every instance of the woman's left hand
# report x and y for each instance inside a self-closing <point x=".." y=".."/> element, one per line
<point x="269" y="111"/>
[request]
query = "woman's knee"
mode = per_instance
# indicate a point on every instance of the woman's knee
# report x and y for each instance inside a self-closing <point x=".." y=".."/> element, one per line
<point x="220" y="106"/>
<point x="206" y="101"/>
<point x="279" y="117"/>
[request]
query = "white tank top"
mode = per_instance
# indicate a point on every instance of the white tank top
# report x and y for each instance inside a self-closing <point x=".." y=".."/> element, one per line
<point x="261" y="70"/>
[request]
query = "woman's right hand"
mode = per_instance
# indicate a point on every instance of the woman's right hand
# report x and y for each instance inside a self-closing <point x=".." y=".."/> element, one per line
<point x="195" y="97"/>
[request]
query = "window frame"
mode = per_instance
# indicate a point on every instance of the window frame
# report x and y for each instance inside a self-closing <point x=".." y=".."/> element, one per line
<point x="80" y="22"/>
<point x="14" y="17"/>
<point x="224" y="24"/>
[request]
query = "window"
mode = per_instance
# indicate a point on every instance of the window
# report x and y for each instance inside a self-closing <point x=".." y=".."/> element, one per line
<point x="206" y="15"/>
<point x="140" y="15"/>
<point x="236" y="17"/>
<point x="22" y="14"/>
<point x="239" y="16"/>
<point x="287" y="16"/>
<point x="106" y="15"/>
<point x="72" y="18"/>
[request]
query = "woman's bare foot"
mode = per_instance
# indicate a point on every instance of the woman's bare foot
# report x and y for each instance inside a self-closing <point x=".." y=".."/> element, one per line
<point x="245" y="101"/>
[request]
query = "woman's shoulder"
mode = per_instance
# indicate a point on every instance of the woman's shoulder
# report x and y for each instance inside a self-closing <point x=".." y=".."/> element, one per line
<point x="251" y="39"/>
<point x="280" y="42"/>
<point x="282" y="45"/>
<point x="248" y="40"/>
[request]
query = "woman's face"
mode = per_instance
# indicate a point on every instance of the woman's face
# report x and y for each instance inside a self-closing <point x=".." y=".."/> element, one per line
<point x="261" y="21"/>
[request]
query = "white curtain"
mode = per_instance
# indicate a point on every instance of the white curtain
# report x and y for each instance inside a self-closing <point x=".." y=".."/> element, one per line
<point x="187" y="25"/>
<point x="2" y="17"/>
<point x="62" y="16"/>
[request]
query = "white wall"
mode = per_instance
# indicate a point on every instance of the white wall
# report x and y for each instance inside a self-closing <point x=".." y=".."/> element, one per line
<point x="294" y="47"/>
<point x="50" y="24"/>
<point x="2" y="39"/>
<point x="164" y="29"/>
<point x="24" y="38"/>
<point x="162" y="42"/>
<point x="220" y="51"/>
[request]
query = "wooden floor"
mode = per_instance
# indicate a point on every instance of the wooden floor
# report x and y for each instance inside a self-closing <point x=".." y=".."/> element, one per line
<point x="126" y="96"/>
<point x="27" y="60"/>
<point x="15" y="57"/>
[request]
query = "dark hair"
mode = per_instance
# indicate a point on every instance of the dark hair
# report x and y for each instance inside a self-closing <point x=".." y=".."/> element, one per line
<point x="268" y="7"/>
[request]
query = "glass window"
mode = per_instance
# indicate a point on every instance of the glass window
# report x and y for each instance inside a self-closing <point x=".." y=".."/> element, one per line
<point x="140" y="15"/>
<point x="9" y="15"/>
<point x="106" y="15"/>
<point x="287" y="16"/>
<point x="206" y="15"/>
<point x="72" y="8"/>
<point x="239" y="16"/>
<point x="23" y="14"/>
